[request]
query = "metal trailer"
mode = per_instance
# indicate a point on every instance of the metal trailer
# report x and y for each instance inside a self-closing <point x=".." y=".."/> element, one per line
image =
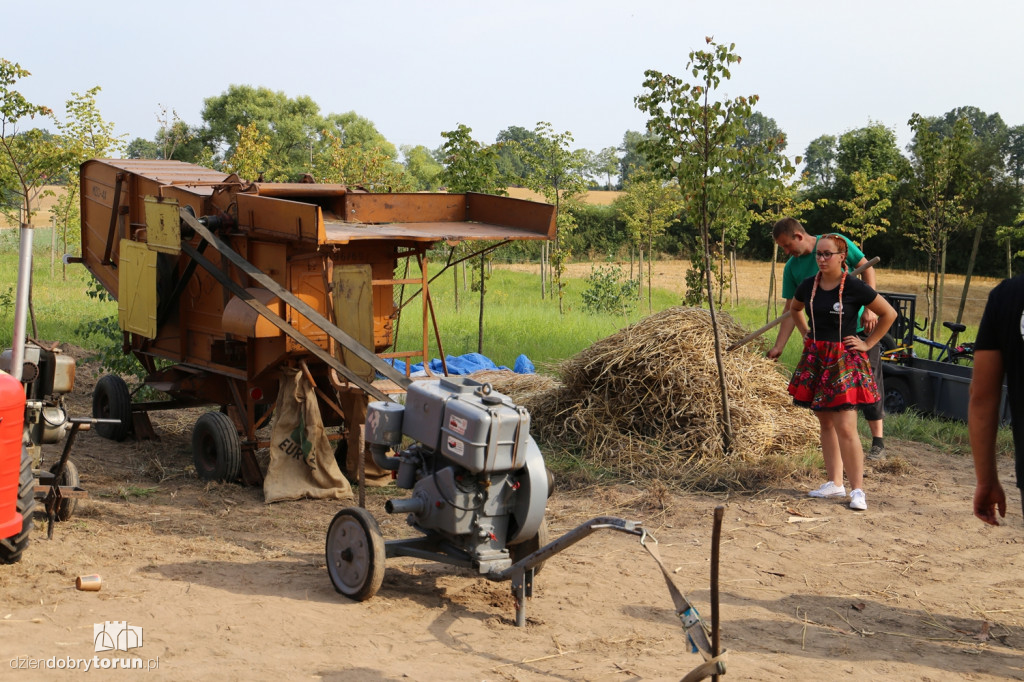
<point x="221" y="283"/>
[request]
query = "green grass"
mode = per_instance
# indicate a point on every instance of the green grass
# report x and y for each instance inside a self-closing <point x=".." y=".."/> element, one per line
<point x="516" y="321"/>
<point x="61" y="306"/>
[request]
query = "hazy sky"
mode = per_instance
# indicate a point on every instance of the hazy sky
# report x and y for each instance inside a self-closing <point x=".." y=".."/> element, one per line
<point x="418" y="68"/>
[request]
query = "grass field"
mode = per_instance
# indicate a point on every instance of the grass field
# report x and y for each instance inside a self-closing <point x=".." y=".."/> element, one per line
<point x="516" y="320"/>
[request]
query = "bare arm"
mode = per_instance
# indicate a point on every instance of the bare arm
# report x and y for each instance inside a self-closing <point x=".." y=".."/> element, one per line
<point x="869" y="319"/>
<point x="982" y="424"/>
<point x="885" y="314"/>
<point x="785" y="330"/>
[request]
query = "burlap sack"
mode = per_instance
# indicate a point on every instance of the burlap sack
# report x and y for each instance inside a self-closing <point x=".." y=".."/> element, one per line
<point x="302" y="460"/>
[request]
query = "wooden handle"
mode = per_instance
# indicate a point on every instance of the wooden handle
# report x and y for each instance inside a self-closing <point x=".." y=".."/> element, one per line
<point x="754" y="334"/>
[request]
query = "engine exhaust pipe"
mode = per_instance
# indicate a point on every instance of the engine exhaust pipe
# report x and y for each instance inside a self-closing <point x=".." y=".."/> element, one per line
<point x="413" y="505"/>
<point x="21" y="302"/>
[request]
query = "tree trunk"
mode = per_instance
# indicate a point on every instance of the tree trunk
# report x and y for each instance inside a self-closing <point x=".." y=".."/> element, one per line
<point x="640" y="267"/>
<point x="480" y="322"/>
<point x="967" y="277"/>
<point x="726" y="419"/>
<point x="735" y="278"/>
<point x="455" y="283"/>
<point x="650" y="248"/>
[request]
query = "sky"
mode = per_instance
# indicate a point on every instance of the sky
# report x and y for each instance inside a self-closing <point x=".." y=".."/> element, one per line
<point x="415" y="69"/>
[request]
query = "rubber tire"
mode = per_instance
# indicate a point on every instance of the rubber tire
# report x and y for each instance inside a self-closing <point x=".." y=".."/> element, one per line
<point x="355" y="554"/>
<point x="216" y="448"/>
<point x="11" y="548"/>
<point x="898" y="398"/>
<point x="68" y="478"/>
<point x="887" y="343"/>
<point x="528" y="547"/>
<point x="965" y="359"/>
<point x="111" y="400"/>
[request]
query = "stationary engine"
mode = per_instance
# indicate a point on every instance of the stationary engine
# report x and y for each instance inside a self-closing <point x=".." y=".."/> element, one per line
<point x="48" y="375"/>
<point x="478" y="478"/>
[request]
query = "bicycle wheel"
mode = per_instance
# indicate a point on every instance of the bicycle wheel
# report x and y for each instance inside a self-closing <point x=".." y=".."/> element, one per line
<point x="963" y="355"/>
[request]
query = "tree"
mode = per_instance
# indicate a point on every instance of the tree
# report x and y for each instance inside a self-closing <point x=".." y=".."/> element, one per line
<point x="606" y="163"/>
<point x="511" y="164"/>
<point x="250" y="160"/>
<point x="693" y="139"/>
<point x="942" y="198"/>
<point x="648" y="207"/>
<point x="30" y="159"/>
<point x="293" y="126"/>
<point x="366" y="166"/>
<point x="820" y="166"/>
<point x="470" y="166"/>
<point x="865" y="212"/>
<point x="84" y="134"/>
<point x="633" y="157"/>
<point x="422" y="167"/>
<point x="559" y="174"/>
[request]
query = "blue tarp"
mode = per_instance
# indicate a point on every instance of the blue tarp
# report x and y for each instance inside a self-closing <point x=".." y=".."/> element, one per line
<point x="465" y="364"/>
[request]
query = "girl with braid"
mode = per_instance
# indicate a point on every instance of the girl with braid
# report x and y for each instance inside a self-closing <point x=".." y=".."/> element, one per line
<point x="833" y="377"/>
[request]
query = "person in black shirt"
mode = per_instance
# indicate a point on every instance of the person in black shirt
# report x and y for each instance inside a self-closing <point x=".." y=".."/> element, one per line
<point x="833" y="377"/>
<point x="998" y="353"/>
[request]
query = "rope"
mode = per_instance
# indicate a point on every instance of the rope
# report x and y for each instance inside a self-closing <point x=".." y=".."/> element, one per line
<point x="695" y="628"/>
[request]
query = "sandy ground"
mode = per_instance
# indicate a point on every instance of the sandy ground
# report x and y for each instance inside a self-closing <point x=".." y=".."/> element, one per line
<point x="226" y="587"/>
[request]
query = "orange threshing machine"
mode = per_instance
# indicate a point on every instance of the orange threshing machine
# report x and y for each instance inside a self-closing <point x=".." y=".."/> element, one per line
<point x="221" y="283"/>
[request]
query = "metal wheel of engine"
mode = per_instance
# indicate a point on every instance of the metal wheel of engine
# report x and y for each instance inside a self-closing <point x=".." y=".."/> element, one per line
<point x="216" y="449"/>
<point x="355" y="553"/>
<point x="527" y="547"/>
<point x="11" y="548"/>
<point x="111" y="400"/>
<point x="69" y="478"/>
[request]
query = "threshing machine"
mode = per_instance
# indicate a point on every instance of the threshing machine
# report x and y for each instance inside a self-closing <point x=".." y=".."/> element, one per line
<point x="221" y="283"/>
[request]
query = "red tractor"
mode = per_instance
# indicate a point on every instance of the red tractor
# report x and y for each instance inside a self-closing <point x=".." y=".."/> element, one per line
<point x="17" y="482"/>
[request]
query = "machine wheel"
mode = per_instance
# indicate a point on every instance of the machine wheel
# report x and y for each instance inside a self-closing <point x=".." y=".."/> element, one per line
<point x="897" y="395"/>
<point x="216" y="449"/>
<point x="527" y="547"/>
<point x="12" y="547"/>
<point x="111" y="400"/>
<point x="68" y="478"/>
<point x="355" y="553"/>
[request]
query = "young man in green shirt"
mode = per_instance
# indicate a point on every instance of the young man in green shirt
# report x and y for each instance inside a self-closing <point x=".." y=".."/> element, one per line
<point x="793" y="239"/>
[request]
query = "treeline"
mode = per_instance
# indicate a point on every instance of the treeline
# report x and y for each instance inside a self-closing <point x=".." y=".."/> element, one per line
<point x="953" y="198"/>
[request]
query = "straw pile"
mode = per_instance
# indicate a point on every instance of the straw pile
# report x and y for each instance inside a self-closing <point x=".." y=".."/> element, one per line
<point x="645" y="404"/>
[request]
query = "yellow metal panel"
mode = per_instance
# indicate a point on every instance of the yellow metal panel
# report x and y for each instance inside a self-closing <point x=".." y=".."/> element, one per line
<point x="353" y="312"/>
<point x="136" y="307"/>
<point x="163" y="225"/>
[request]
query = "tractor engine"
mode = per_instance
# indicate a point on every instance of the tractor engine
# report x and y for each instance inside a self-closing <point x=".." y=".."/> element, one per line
<point x="477" y="476"/>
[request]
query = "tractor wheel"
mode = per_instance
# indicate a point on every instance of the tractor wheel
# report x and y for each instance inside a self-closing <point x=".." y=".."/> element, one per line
<point x="897" y="395"/>
<point x="68" y="478"/>
<point x="12" y="547"/>
<point x="111" y="400"/>
<point x="216" y="449"/>
<point x="528" y="547"/>
<point x="355" y="553"/>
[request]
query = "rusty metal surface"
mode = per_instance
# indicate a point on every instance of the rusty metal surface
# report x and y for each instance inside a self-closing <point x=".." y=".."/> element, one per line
<point x="166" y="172"/>
<point x="344" y="233"/>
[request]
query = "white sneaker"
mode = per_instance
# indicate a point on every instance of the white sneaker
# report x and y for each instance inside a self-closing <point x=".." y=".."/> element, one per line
<point x="829" y="489"/>
<point x="857" y="500"/>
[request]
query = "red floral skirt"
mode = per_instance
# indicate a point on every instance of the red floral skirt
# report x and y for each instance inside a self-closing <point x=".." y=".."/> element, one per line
<point x="830" y="377"/>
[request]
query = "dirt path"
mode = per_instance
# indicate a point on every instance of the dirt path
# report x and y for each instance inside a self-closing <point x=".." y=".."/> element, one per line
<point x="225" y="587"/>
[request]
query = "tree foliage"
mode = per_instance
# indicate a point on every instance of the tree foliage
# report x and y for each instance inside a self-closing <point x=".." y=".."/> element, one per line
<point x="559" y="174"/>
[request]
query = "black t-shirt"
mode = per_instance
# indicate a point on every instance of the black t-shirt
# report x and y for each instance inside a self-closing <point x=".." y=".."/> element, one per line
<point x="825" y="320"/>
<point x="1002" y="329"/>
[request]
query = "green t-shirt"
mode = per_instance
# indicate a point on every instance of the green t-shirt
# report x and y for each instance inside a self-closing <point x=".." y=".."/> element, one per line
<point x="799" y="268"/>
